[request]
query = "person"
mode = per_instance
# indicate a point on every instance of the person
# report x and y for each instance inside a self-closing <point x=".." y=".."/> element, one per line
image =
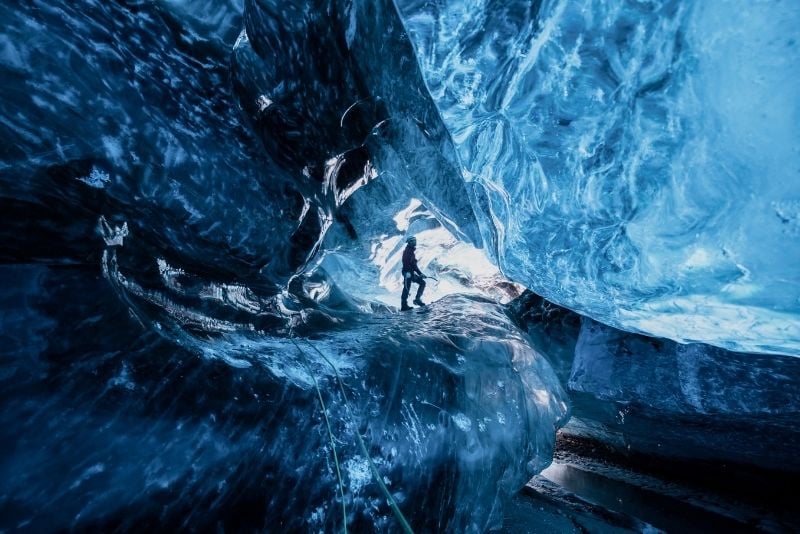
<point x="411" y="274"/>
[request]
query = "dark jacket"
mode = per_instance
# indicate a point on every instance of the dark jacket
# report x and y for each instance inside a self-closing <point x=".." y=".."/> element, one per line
<point x="410" y="261"/>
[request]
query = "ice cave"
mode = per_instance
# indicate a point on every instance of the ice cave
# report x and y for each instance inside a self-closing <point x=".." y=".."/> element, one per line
<point x="206" y="207"/>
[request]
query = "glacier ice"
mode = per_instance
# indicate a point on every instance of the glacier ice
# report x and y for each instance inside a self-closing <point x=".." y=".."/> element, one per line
<point x="456" y="410"/>
<point x="695" y="401"/>
<point x="636" y="162"/>
<point x="641" y="395"/>
<point x="149" y="117"/>
<point x="204" y="184"/>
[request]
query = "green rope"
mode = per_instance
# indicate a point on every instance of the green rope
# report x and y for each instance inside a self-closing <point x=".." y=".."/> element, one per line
<point x="397" y="512"/>
<point x="374" y="470"/>
<point x="330" y="432"/>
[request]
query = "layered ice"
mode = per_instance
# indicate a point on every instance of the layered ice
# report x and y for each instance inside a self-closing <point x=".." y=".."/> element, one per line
<point x="637" y="162"/>
<point x="655" y="397"/>
<point x="124" y="110"/>
<point x="694" y="401"/>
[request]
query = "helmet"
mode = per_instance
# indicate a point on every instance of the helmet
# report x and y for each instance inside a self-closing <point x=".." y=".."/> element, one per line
<point x="412" y="240"/>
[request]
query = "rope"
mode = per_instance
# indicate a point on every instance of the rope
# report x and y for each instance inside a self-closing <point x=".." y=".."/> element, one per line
<point x="397" y="512"/>
<point x="327" y="425"/>
<point x="373" y="469"/>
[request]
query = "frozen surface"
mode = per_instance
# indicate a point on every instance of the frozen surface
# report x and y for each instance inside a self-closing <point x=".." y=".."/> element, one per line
<point x="634" y="162"/>
<point x="637" y="162"/>
<point x="113" y="426"/>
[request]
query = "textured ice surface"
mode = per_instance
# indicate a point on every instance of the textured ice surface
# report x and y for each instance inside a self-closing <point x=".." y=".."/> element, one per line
<point x="125" y="110"/>
<point x="114" y="426"/>
<point x="637" y="162"/>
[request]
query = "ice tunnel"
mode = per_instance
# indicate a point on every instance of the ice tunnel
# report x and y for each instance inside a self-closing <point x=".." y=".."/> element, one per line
<point x="204" y="207"/>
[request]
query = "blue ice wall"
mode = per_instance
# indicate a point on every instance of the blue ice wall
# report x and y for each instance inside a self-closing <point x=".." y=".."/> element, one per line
<point x="641" y="395"/>
<point x="685" y="401"/>
<point x="635" y="161"/>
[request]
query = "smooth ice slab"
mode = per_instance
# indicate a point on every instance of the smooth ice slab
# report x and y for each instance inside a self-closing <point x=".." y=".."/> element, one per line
<point x="687" y="401"/>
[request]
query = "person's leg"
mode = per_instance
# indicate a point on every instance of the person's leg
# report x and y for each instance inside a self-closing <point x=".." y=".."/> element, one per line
<point x="406" y="288"/>
<point x="421" y="281"/>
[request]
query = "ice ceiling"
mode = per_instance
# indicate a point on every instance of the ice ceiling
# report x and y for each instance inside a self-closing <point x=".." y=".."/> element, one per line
<point x="638" y="163"/>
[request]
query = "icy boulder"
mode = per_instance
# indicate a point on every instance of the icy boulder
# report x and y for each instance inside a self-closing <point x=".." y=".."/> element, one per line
<point x="694" y="401"/>
<point x="459" y="409"/>
<point x="637" y="162"/>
